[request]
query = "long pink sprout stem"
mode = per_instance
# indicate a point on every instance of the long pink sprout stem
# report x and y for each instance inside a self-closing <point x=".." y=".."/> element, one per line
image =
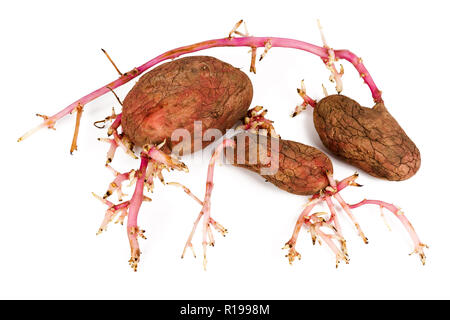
<point x="207" y="200"/>
<point x="205" y="212"/>
<point x="135" y="204"/>
<point x="252" y="42"/>
<point x="347" y="210"/>
<point x="418" y="245"/>
<point x="345" y="206"/>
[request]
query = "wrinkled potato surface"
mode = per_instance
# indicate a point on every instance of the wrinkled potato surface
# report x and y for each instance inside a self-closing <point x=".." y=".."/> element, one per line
<point x="301" y="169"/>
<point x="368" y="138"/>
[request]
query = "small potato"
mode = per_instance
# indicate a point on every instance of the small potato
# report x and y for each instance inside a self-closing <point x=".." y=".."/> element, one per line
<point x="300" y="169"/>
<point x="368" y="138"/>
<point x="177" y="93"/>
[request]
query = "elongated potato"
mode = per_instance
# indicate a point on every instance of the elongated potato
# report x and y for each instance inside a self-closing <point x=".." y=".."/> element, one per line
<point x="177" y="93"/>
<point x="294" y="167"/>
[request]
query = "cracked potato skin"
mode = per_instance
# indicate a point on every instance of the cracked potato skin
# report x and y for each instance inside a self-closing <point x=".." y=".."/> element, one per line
<point x="368" y="138"/>
<point x="301" y="168"/>
<point x="177" y="93"/>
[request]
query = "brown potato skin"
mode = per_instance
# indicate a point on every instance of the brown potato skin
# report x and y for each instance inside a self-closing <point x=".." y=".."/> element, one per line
<point x="301" y="169"/>
<point x="177" y="93"/>
<point x="368" y="138"/>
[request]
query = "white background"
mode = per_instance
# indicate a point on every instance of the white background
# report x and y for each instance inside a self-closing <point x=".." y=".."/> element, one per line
<point x="50" y="56"/>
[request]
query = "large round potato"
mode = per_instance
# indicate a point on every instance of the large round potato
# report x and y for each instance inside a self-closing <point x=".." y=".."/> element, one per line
<point x="177" y="93"/>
